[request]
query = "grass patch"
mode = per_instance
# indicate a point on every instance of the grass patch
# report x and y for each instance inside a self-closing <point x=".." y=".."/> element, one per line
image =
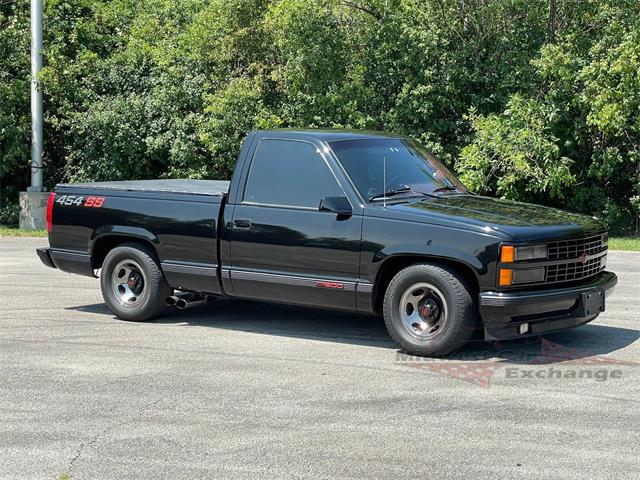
<point x="16" y="232"/>
<point x="624" y="243"/>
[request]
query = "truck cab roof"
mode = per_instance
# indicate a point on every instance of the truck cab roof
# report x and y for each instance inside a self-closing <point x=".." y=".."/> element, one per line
<point x="326" y="135"/>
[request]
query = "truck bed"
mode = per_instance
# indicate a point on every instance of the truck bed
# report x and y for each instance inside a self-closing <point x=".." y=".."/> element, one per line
<point x="216" y="188"/>
<point x="176" y="218"/>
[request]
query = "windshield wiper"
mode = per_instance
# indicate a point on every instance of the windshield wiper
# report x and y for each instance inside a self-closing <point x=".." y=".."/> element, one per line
<point x="391" y="193"/>
<point x="446" y="188"/>
<point x="404" y="189"/>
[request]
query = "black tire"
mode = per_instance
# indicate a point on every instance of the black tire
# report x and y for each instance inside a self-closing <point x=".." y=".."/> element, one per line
<point x="150" y="301"/>
<point x="441" y="335"/>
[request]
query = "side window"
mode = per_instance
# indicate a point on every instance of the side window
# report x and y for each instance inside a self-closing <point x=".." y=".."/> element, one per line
<point x="290" y="173"/>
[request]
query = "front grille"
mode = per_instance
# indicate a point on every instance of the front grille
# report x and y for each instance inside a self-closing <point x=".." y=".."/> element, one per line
<point x="570" y="260"/>
<point x="567" y="249"/>
<point x="575" y="270"/>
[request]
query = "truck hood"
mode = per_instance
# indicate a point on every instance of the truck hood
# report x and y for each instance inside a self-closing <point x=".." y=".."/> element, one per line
<point x="515" y="219"/>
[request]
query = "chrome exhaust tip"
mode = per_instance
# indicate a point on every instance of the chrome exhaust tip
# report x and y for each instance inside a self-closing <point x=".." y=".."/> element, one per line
<point x="184" y="303"/>
<point x="171" y="301"/>
<point x="181" y="303"/>
<point x="184" y="300"/>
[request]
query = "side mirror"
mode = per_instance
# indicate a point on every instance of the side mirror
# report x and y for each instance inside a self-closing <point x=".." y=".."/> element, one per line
<point x="338" y="205"/>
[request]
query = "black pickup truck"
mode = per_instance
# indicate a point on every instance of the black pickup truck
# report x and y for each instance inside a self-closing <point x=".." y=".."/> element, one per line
<point x="358" y="221"/>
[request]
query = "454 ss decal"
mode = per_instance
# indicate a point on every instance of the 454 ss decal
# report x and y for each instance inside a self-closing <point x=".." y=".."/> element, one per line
<point x="80" y="201"/>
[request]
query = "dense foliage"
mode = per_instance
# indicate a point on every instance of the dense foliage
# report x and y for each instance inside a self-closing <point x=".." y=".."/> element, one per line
<point x="527" y="99"/>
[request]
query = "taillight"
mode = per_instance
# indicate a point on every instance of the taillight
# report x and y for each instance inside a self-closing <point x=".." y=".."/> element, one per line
<point x="52" y="197"/>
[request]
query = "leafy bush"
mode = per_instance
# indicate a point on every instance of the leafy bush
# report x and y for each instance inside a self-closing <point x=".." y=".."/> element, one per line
<point x="10" y="215"/>
<point x="516" y="154"/>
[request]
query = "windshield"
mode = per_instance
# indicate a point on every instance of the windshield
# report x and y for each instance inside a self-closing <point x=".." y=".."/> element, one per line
<point x="378" y="166"/>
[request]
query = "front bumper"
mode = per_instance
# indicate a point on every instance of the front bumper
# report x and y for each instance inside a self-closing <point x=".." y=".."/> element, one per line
<point x="506" y="313"/>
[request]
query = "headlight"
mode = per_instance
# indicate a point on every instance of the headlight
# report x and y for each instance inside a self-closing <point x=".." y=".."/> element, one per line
<point x="530" y="253"/>
<point x="509" y="253"/>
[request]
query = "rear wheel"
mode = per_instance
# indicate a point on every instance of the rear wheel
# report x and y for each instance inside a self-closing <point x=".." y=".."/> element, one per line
<point x="429" y="310"/>
<point x="132" y="283"/>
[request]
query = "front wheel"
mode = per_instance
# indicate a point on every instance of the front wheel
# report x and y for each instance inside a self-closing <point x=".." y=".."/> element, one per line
<point x="429" y="310"/>
<point x="132" y="283"/>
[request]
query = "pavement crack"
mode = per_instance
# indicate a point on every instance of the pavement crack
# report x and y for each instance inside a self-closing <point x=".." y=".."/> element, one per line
<point x="110" y="428"/>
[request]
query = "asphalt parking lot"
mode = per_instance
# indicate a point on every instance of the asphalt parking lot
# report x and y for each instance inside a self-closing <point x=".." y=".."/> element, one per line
<point x="250" y="390"/>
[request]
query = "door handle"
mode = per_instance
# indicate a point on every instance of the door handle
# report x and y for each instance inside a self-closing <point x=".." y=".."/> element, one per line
<point x="241" y="224"/>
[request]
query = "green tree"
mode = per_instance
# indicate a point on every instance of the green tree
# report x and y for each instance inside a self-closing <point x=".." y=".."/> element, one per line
<point x="530" y="100"/>
<point x="14" y="99"/>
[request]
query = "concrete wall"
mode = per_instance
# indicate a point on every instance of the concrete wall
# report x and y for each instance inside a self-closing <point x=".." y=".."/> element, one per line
<point x="33" y="210"/>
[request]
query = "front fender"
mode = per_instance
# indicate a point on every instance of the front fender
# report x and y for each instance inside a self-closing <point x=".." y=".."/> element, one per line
<point x="386" y="240"/>
<point x="449" y="254"/>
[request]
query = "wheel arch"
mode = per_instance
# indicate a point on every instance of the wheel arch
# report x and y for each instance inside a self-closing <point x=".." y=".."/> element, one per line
<point x="394" y="264"/>
<point x="106" y="240"/>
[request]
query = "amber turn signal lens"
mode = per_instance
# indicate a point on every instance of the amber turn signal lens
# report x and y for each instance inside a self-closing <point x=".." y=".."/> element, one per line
<point x="507" y="254"/>
<point x="506" y="275"/>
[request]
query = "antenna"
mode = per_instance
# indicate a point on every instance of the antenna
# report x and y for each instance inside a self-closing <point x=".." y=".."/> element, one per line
<point x="384" y="181"/>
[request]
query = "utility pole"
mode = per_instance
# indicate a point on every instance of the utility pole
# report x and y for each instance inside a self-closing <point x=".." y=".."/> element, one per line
<point x="33" y="202"/>
<point x="36" y="97"/>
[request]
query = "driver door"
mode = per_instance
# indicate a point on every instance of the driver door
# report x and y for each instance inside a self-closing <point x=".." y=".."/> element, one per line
<point x="283" y="248"/>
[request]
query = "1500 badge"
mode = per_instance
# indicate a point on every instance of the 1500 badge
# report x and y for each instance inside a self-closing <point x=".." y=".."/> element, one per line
<point x="81" y="201"/>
